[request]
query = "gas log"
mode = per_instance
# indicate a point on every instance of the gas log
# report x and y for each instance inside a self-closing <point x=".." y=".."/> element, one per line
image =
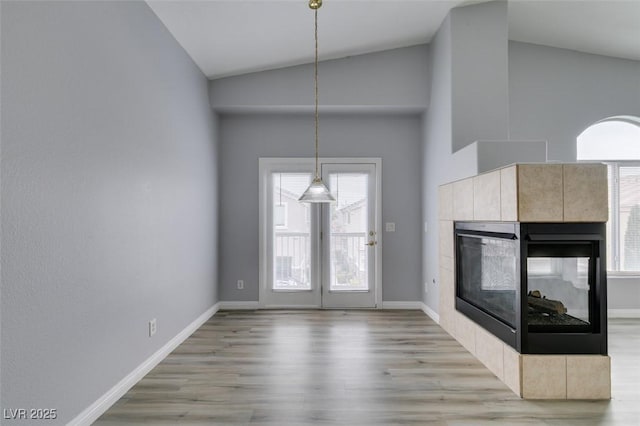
<point x="540" y="303"/>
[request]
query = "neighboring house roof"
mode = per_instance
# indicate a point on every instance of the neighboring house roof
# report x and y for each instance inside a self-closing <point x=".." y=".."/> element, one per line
<point x="286" y="194"/>
<point x="353" y="206"/>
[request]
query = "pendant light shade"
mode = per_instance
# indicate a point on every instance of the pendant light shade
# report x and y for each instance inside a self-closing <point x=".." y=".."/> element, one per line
<point x="317" y="191"/>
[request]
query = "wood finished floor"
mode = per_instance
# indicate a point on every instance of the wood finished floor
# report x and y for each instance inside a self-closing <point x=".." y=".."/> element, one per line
<point x="353" y="368"/>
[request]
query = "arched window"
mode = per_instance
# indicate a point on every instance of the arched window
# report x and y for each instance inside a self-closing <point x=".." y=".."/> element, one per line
<point x="616" y="142"/>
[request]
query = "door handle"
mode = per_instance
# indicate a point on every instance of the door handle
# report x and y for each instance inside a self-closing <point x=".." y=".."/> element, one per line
<point x="371" y="243"/>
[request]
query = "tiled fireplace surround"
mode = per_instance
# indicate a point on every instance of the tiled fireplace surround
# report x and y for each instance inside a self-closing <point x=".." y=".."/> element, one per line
<point x="525" y="193"/>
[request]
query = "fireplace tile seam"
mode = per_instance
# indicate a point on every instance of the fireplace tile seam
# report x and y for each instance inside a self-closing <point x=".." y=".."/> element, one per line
<point x="566" y="373"/>
<point x="518" y="195"/>
<point x="500" y="203"/>
<point x="564" y="215"/>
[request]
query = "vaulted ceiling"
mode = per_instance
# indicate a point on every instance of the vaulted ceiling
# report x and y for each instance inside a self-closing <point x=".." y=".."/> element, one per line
<point x="230" y="37"/>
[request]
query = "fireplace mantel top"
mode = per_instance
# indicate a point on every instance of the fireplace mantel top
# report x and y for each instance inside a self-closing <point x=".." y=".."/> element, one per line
<point x="530" y="192"/>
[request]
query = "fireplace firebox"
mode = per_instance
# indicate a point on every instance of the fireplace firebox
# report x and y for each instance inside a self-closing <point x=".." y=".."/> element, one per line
<point x="539" y="287"/>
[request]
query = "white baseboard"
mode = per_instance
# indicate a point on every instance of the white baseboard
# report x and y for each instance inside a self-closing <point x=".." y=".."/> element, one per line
<point x="401" y="305"/>
<point x="95" y="410"/>
<point x="294" y="307"/>
<point x="239" y="305"/>
<point x="233" y="305"/>
<point x="431" y="313"/>
<point x="623" y="313"/>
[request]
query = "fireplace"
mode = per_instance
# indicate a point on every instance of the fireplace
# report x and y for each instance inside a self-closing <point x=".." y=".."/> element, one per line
<point x="539" y="287"/>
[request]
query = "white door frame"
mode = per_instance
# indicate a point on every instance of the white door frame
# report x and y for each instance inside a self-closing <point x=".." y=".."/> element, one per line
<point x="350" y="298"/>
<point x="268" y="164"/>
<point x="267" y="297"/>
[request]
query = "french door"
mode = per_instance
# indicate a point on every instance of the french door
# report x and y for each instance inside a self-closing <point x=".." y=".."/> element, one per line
<point x="349" y="236"/>
<point x="320" y="255"/>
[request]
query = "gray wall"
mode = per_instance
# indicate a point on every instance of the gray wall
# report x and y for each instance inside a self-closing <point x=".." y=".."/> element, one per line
<point x="469" y="102"/>
<point x="1" y="127"/>
<point x="480" y="85"/>
<point x="247" y="137"/>
<point x="436" y="148"/>
<point x="391" y="80"/>
<point x="555" y="94"/>
<point x="109" y="198"/>
<point x="370" y="107"/>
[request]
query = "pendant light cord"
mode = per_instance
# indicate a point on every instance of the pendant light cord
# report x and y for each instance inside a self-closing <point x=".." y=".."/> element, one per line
<point x="315" y="79"/>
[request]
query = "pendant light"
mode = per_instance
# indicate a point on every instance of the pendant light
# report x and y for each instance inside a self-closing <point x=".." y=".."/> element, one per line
<point x="317" y="191"/>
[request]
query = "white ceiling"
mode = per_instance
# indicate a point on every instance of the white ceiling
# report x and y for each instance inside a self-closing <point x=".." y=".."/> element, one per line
<point x="230" y="37"/>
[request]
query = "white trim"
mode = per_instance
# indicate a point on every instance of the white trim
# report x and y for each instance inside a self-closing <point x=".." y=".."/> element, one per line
<point x="239" y="305"/>
<point x="623" y="313"/>
<point x="102" y="404"/>
<point x="269" y="164"/>
<point x="431" y="313"/>
<point x="402" y="305"/>
<point x="357" y="299"/>
<point x="290" y="307"/>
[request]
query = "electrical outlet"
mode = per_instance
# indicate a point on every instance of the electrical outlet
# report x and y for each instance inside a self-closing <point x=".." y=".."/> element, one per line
<point x="240" y="285"/>
<point x="153" y="327"/>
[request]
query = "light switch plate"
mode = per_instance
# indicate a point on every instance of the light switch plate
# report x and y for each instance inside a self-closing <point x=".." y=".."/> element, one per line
<point x="390" y="227"/>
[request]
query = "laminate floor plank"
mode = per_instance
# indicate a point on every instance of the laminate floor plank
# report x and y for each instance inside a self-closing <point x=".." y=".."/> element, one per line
<point x="353" y="367"/>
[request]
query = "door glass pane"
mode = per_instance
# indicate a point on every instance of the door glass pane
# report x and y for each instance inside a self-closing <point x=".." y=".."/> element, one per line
<point x="291" y="232"/>
<point x="349" y="226"/>
<point x="629" y="218"/>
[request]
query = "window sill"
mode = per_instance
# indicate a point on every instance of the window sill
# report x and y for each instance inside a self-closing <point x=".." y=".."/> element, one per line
<point x="622" y="274"/>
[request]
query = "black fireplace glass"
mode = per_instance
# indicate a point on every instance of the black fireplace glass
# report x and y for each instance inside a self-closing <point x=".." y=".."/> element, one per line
<point x="541" y="288"/>
<point x="488" y="275"/>
<point x="558" y="290"/>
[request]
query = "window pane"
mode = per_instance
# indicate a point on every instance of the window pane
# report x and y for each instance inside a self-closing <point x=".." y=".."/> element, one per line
<point x="610" y="140"/>
<point x="618" y="139"/>
<point x="613" y="189"/>
<point x="348" y="250"/>
<point x="291" y="231"/>
<point x="629" y="218"/>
